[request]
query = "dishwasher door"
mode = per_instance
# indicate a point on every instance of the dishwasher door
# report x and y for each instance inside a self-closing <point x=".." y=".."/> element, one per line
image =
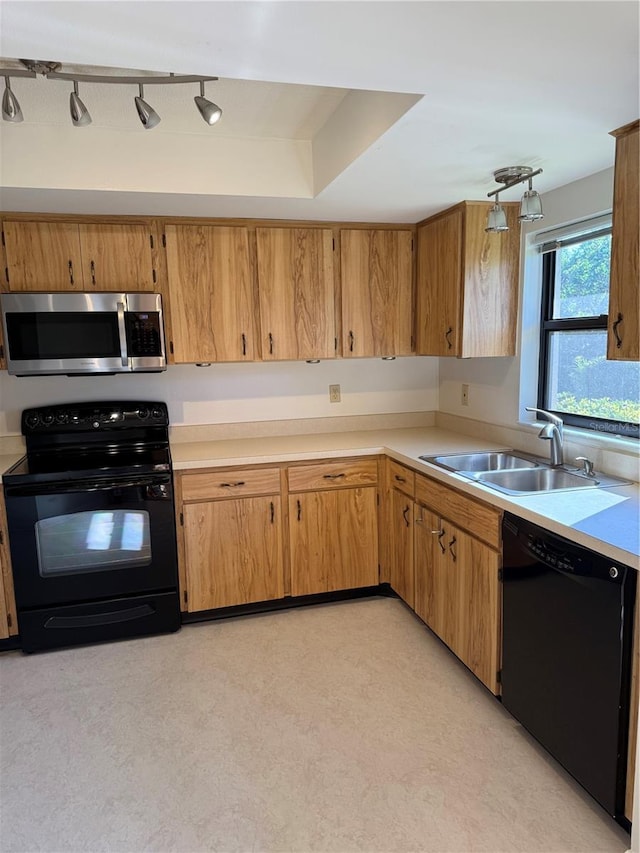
<point x="567" y="619"/>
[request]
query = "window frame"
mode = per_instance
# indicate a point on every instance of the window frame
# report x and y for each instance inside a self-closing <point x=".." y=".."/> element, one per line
<point x="548" y="325"/>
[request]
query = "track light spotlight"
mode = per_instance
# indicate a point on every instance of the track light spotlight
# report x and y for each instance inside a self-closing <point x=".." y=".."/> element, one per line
<point x="147" y="115"/>
<point x="10" y="107"/>
<point x="209" y="111"/>
<point x="531" y="204"/>
<point x="80" y="116"/>
<point x="497" y="218"/>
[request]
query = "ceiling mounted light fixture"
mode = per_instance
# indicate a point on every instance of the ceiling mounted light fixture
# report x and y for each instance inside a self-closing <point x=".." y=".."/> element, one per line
<point x="10" y="107"/>
<point x="530" y="205"/>
<point x="80" y="116"/>
<point x="209" y="111"/>
<point x="147" y="115"/>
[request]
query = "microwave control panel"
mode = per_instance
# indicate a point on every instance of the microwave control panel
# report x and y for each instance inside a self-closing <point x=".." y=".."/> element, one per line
<point x="143" y="334"/>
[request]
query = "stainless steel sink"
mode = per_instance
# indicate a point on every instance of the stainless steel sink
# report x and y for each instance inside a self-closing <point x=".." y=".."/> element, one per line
<point x="518" y="482"/>
<point x="484" y="461"/>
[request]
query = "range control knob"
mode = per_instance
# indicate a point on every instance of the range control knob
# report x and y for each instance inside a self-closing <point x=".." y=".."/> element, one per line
<point x="62" y="417"/>
<point x="96" y="424"/>
<point x="143" y="413"/>
<point x="47" y="418"/>
<point x="157" y="414"/>
<point x="32" y="420"/>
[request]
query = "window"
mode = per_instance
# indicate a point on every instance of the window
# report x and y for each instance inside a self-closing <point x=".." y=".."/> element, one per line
<point x="576" y="381"/>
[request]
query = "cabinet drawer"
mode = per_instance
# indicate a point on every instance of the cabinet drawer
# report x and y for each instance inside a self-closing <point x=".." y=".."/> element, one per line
<point x="225" y="484"/>
<point x="401" y="478"/>
<point x="333" y="475"/>
<point x="478" y="519"/>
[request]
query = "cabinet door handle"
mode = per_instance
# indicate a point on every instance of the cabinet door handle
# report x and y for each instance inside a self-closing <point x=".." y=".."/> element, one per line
<point x="448" y="337"/>
<point x="244" y="344"/>
<point x="351" y="341"/>
<point x="71" y="272"/>
<point x="93" y="272"/>
<point x="615" y="330"/>
<point x="400" y="479"/>
<point x="270" y="344"/>
<point x="454" y="556"/>
<point x="273" y="511"/>
<point x="299" y="510"/>
<point x="232" y="485"/>
<point x="440" y="535"/>
<point x="405" y="515"/>
<point x="332" y="476"/>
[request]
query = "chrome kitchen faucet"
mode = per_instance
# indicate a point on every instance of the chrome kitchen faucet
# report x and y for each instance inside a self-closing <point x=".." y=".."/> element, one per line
<point x="552" y="432"/>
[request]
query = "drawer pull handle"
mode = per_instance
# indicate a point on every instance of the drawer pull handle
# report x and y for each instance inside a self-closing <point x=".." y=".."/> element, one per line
<point x="332" y="476"/>
<point x="405" y="514"/>
<point x="400" y="479"/>
<point x="231" y="485"/>
<point x="454" y="556"/>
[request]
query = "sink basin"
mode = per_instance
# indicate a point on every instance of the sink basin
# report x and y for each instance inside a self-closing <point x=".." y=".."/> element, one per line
<point x="534" y="480"/>
<point x="485" y="461"/>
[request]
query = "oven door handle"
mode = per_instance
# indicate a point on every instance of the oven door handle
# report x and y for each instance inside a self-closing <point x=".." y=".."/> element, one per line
<point x="82" y="486"/>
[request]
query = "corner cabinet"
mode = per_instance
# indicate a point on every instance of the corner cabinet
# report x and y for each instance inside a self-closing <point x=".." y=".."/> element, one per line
<point x="232" y="538"/>
<point x="296" y="289"/>
<point x="467" y="283"/>
<point x="55" y="255"/>
<point x="211" y="294"/>
<point x="376" y="268"/>
<point x="333" y="530"/>
<point x="624" y="308"/>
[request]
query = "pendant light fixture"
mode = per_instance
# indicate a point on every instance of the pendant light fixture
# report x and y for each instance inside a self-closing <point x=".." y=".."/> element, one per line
<point x="530" y="205"/>
<point x="209" y="111"/>
<point x="80" y="116"/>
<point x="147" y="115"/>
<point x="10" y="107"/>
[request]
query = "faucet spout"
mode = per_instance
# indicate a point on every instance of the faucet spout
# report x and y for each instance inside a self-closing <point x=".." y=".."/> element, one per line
<point x="551" y="431"/>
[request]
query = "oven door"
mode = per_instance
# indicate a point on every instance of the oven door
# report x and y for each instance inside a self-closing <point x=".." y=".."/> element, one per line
<point x="89" y="540"/>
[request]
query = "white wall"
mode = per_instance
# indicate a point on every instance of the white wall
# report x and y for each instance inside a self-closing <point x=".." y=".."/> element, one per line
<point x="501" y="387"/>
<point x="235" y="393"/>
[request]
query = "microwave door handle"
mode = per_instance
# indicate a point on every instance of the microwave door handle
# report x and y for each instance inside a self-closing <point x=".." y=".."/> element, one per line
<point x="123" y="335"/>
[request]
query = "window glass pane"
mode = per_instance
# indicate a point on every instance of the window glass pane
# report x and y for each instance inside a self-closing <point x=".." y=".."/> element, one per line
<point x="581" y="381"/>
<point x="92" y="541"/>
<point x="582" y="279"/>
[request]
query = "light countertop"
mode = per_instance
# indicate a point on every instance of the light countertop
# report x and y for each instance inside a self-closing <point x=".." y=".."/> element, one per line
<point x="605" y="520"/>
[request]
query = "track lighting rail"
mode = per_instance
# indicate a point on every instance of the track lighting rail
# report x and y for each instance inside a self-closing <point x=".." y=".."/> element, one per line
<point x="515" y="182"/>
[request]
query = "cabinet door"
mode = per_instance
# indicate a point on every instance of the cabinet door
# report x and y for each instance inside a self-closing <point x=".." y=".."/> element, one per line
<point x="116" y="257"/>
<point x="401" y="563"/>
<point x="8" y="611"/>
<point x="477" y="639"/>
<point x="624" y="308"/>
<point x="439" y="286"/>
<point x="333" y="540"/>
<point x="436" y="581"/>
<point x="43" y="255"/>
<point x="211" y="293"/>
<point x="376" y="271"/>
<point x="233" y="552"/>
<point x="295" y="285"/>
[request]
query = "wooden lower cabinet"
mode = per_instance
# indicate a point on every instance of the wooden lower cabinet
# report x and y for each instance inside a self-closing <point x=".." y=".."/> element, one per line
<point x="233" y="551"/>
<point x="401" y="536"/>
<point x="457" y="592"/>
<point x="8" y="614"/>
<point x="333" y="540"/>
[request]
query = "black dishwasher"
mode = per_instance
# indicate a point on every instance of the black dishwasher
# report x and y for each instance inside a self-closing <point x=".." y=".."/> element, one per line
<point x="567" y="626"/>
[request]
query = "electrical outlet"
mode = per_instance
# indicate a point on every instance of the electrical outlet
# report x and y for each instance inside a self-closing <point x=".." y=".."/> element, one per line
<point x="334" y="393"/>
<point x="465" y="395"/>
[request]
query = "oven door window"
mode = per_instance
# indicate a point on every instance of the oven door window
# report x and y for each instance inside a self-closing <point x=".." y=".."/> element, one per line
<point x="93" y="541"/>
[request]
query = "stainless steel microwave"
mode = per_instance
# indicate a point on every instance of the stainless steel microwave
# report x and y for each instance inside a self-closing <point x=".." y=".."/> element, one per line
<point x="82" y="333"/>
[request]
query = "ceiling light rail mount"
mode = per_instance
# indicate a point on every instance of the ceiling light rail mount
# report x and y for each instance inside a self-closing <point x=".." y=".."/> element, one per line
<point x="80" y="117"/>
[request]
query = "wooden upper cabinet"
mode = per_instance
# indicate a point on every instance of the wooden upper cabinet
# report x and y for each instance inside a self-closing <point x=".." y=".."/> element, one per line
<point x="69" y="256"/>
<point x="211" y="293"/>
<point x="296" y="289"/>
<point x="43" y="255"/>
<point x="624" y="308"/>
<point x="116" y="257"/>
<point x="467" y="283"/>
<point x="377" y="286"/>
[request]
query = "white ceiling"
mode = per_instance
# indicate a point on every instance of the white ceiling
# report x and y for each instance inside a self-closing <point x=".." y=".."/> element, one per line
<point x="532" y="82"/>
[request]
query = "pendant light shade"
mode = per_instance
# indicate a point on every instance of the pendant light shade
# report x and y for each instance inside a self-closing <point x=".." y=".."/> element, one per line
<point x="10" y="107"/>
<point x="531" y="206"/>
<point x="147" y="115"/>
<point x="209" y="111"/>
<point x="497" y="218"/>
<point x="80" y="116"/>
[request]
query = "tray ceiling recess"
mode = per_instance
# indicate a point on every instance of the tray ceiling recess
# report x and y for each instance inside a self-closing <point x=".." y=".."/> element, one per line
<point x="271" y="140"/>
